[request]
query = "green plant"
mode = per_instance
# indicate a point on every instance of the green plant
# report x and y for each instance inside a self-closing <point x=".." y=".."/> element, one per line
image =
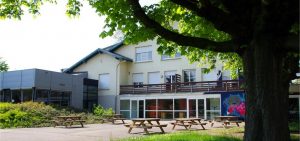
<point x="98" y="110"/>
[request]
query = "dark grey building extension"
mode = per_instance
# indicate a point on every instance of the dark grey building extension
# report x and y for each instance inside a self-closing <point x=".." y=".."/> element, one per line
<point x="45" y="86"/>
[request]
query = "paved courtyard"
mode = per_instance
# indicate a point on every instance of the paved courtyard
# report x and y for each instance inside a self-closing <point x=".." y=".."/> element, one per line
<point x="91" y="132"/>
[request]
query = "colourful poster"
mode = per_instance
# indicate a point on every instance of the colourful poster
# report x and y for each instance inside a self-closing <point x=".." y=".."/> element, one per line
<point x="233" y="104"/>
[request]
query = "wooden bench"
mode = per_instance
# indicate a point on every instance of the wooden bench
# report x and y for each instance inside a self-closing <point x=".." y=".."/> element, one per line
<point x="70" y="122"/>
<point x="113" y="120"/>
<point x="184" y="124"/>
<point x="67" y="121"/>
<point x="146" y="126"/>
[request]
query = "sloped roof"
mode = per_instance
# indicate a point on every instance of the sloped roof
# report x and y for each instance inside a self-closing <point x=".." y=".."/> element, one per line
<point x="107" y="50"/>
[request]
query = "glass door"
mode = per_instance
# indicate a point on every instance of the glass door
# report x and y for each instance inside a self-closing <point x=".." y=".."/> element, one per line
<point x="212" y="107"/>
<point x="134" y="109"/>
<point x="141" y="108"/>
<point x="192" y="108"/>
<point x="201" y="108"/>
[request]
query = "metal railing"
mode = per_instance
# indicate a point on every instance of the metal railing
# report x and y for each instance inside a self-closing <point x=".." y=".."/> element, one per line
<point x="204" y="86"/>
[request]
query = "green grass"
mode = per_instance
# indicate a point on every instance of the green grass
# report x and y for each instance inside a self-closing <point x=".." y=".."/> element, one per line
<point x="184" y="136"/>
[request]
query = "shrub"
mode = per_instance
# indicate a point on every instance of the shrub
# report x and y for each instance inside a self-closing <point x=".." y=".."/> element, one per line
<point x="100" y="111"/>
<point x="33" y="114"/>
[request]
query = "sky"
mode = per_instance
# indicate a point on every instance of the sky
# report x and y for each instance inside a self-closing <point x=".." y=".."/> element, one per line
<point x="51" y="41"/>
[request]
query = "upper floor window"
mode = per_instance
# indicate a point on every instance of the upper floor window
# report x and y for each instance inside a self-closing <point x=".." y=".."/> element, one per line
<point x="104" y="81"/>
<point x="167" y="57"/>
<point x="189" y="75"/>
<point x="137" y="79"/>
<point x="143" y="54"/>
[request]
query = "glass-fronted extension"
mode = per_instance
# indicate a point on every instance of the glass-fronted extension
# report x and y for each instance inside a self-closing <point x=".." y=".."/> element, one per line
<point x="169" y="108"/>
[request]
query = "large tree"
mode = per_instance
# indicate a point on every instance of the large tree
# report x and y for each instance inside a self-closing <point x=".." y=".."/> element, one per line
<point x="258" y="36"/>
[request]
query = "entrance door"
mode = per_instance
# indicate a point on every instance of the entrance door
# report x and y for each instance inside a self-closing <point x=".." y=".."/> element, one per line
<point x="134" y="109"/>
<point x="141" y="108"/>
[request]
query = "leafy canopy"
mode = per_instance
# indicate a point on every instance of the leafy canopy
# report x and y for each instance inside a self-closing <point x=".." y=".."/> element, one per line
<point x="119" y="17"/>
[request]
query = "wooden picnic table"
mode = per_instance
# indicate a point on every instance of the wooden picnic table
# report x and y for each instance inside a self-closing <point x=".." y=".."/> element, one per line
<point x="226" y="120"/>
<point x="113" y="118"/>
<point x="146" y="123"/>
<point x="188" y="122"/>
<point x="68" y="120"/>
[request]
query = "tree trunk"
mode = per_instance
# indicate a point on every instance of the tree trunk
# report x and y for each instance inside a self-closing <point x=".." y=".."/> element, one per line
<point x="266" y="91"/>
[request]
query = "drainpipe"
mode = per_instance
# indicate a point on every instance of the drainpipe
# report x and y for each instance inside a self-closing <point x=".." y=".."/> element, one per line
<point x="117" y="87"/>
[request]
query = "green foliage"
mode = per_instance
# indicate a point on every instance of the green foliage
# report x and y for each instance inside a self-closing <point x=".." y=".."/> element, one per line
<point x="3" y="65"/>
<point x="119" y="17"/>
<point x="294" y="126"/>
<point x="33" y="114"/>
<point x="100" y="111"/>
<point x="183" y="136"/>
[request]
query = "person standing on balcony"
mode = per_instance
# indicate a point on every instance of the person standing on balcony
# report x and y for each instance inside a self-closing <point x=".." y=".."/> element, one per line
<point x="219" y="78"/>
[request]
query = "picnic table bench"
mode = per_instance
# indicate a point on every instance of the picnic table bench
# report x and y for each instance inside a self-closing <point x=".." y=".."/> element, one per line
<point x="67" y="121"/>
<point x="113" y="118"/>
<point x="226" y="120"/>
<point x="188" y="122"/>
<point x="141" y="123"/>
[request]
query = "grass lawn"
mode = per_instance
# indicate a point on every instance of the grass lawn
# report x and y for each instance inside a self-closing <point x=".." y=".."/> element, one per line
<point x="216" y="134"/>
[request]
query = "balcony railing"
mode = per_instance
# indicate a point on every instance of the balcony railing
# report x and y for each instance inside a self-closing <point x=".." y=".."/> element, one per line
<point x="204" y="86"/>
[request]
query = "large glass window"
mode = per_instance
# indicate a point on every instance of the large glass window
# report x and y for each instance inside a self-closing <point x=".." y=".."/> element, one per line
<point x="151" y="108"/>
<point x="180" y="108"/>
<point x="16" y="96"/>
<point x="104" y="81"/>
<point x="27" y="95"/>
<point x="134" y="110"/>
<point x="201" y="110"/>
<point x="212" y="107"/>
<point x="42" y="96"/>
<point x="167" y="57"/>
<point x="143" y="54"/>
<point x="6" y="96"/>
<point x="192" y="108"/>
<point x="165" y="108"/>
<point x="189" y="76"/>
<point x="125" y="108"/>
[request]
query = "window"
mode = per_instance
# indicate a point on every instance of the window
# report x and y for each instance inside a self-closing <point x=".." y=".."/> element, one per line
<point x="167" y="57"/>
<point x="104" y="81"/>
<point x="143" y="54"/>
<point x="153" y="78"/>
<point x="137" y="79"/>
<point x="189" y="76"/>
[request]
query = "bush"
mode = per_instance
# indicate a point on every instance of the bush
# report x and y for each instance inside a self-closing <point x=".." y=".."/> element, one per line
<point x="33" y="114"/>
<point x="100" y="111"/>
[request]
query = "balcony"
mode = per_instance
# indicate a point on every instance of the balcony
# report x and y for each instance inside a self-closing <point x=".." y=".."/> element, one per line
<point x="187" y="87"/>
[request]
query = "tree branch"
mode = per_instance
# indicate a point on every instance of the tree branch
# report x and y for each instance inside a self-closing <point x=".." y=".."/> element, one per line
<point x="221" y="20"/>
<point x="201" y="43"/>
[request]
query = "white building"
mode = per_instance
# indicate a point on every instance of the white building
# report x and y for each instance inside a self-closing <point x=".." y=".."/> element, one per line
<point x="138" y="82"/>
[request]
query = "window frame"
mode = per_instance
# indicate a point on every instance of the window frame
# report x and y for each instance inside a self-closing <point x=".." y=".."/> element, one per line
<point x="148" y="53"/>
<point x="165" y="57"/>
<point x="104" y="88"/>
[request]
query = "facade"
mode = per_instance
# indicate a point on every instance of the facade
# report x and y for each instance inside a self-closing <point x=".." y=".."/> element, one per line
<point x="138" y="82"/>
<point x="46" y="86"/>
